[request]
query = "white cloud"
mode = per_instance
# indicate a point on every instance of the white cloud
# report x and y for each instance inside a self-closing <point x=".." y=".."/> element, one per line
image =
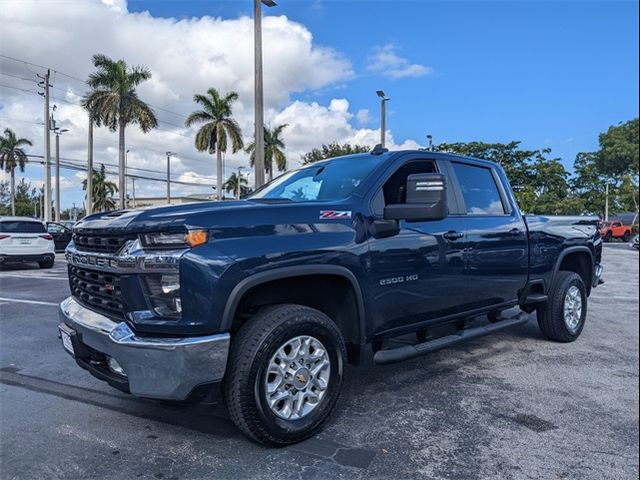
<point x="386" y="61"/>
<point x="363" y="116"/>
<point x="185" y="56"/>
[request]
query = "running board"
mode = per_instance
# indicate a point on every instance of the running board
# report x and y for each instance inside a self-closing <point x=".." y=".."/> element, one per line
<point x="393" y="355"/>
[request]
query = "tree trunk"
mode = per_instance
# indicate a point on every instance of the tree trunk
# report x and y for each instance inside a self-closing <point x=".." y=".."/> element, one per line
<point x="219" y="174"/>
<point x="121" y="172"/>
<point x="13" y="192"/>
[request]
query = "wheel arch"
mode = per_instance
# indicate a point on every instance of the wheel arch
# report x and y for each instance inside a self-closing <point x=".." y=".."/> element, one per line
<point x="267" y="284"/>
<point x="577" y="259"/>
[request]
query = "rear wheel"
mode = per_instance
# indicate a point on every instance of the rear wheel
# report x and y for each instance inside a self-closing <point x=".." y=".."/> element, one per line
<point x="627" y="236"/>
<point x="562" y="317"/>
<point x="284" y="374"/>
<point x="608" y="236"/>
<point x="48" y="263"/>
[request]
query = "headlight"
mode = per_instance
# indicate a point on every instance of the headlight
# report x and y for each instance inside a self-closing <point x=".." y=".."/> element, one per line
<point x="168" y="240"/>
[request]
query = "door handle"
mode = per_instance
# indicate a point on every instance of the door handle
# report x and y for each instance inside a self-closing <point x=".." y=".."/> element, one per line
<point x="453" y="235"/>
<point x="515" y="232"/>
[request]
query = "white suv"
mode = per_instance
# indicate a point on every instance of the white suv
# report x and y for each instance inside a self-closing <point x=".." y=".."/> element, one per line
<point x="24" y="239"/>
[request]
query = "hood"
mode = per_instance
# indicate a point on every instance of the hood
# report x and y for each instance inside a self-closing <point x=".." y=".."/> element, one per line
<point x="210" y="215"/>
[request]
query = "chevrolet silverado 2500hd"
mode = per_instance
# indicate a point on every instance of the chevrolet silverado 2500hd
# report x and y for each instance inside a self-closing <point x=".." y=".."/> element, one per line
<point x="268" y="298"/>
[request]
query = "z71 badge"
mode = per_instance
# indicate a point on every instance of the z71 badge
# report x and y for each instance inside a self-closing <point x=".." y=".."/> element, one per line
<point x="335" y="214"/>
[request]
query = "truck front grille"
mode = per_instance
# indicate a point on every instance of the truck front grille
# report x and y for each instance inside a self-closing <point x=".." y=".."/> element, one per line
<point x="100" y="243"/>
<point x="97" y="290"/>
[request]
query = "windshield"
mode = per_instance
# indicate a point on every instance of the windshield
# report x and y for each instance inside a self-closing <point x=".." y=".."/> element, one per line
<point x="330" y="181"/>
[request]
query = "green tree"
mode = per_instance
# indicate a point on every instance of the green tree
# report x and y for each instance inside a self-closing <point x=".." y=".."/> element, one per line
<point x="332" y="150"/>
<point x="114" y="102"/>
<point x="618" y="153"/>
<point x="12" y="156"/>
<point x="219" y="126"/>
<point x="273" y="146"/>
<point x="588" y="183"/>
<point x="103" y="191"/>
<point x="5" y="198"/>
<point x="237" y="185"/>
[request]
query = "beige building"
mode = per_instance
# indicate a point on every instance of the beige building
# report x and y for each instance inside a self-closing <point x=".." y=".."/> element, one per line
<point x="141" y="202"/>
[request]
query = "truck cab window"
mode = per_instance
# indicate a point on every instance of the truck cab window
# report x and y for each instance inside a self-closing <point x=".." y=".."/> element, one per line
<point x="395" y="190"/>
<point x="479" y="190"/>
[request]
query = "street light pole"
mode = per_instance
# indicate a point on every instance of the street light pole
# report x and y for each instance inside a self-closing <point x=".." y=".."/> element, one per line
<point x="383" y="116"/>
<point x="238" y="183"/>
<point x="258" y="86"/>
<point x="57" y="209"/>
<point x="126" y="163"/>
<point x="169" y="155"/>
<point x="430" y="142"/>
<point x="89" y="203"/>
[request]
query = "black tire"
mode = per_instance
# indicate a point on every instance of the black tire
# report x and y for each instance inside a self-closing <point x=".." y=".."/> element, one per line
<point x="627" y="236"/>
<point x="251" y="350"/>
<point x="551" y="318"/>
<point x="608" y="237"/>
<point x="48" y="263"/>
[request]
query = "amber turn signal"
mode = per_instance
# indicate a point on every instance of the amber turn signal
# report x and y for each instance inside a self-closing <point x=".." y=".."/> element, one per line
<point x="196" y="237"/>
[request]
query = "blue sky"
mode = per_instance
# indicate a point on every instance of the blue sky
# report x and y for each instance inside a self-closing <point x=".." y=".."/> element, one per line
<point x="552" y="74"/>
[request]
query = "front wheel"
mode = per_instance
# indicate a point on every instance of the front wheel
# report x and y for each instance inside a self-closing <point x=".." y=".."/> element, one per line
<point x="608" y="237"/>
<point x="562" y="317"/>
<point x="627" y="236"/>
<point x="284" y="374"/>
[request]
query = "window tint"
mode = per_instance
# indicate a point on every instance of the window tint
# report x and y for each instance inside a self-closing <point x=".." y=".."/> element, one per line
<point x="479" y="190"/>
<point x="22" y="227"/>
<point x="395" y="189"/>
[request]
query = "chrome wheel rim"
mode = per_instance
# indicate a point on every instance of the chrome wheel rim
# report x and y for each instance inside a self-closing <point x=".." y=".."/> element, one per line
<point x="572" y="308"/>
<point x="297" y="377"/>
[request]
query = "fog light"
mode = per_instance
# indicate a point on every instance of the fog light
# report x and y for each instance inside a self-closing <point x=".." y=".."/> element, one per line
<point x="170" y="284"/>
<point x="115" y="367"/>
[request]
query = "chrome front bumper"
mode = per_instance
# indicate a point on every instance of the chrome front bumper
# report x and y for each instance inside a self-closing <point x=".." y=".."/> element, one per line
<point x="155" y="367"/>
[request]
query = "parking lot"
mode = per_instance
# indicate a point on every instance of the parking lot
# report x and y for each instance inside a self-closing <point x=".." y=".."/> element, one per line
<point x="512" y="405"/>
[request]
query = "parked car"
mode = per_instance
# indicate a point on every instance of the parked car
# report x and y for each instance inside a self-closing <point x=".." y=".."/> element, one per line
<point x="61" y="235"/>
<point x="266" y="299"/>
<point x="615" y="229"/>
<point x="24" y="239"/>
<point x="634" y="243"/>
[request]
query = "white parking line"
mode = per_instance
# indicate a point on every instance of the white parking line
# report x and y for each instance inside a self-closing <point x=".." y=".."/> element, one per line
<point x="34" y="302"/>
<point x="38" y="277"/>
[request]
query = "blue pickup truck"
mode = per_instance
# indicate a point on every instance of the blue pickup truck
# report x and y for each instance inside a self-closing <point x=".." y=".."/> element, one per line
<point x="372" y="257"/>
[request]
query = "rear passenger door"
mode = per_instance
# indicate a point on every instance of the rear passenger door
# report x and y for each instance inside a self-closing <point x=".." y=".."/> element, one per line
<point x="496" y="254"/>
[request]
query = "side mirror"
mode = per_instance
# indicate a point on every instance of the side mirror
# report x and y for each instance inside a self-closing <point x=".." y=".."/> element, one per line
<point x="426" y="199"/>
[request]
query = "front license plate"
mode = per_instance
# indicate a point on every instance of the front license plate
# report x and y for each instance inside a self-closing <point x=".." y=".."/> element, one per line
<point x="66" y="342"/>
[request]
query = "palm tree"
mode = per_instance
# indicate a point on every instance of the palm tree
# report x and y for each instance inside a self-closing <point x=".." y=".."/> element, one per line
<point x="103" y="191"/>
<point x="114" y="102"/>
<point x="12" y="155"/>
<point x="273" y="146"/>
<point x="217" y="129"/>
<point x="237" y="185"/>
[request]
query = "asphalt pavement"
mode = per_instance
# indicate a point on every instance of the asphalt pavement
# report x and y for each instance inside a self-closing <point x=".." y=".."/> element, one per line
<point x="511" y="405"/>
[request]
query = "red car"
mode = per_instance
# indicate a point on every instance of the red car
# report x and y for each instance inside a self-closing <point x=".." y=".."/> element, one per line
<point x="615" y="229"/>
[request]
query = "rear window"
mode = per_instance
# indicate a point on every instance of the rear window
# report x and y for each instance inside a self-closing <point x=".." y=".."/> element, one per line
<point x="22" y="227"/>
<point x="479" y="190"/>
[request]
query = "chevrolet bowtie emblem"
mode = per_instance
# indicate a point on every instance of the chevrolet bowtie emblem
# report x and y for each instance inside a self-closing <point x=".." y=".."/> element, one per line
<point x="301" y="378"/>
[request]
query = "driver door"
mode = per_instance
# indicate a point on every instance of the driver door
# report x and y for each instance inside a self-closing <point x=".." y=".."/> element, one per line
<point x="418" y="274"/>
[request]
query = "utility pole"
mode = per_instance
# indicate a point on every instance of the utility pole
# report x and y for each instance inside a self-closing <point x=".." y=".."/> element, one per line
<point x="383" y="116"/>
<point x="58" y="132"/>
<point x="89" y="205"/>
<point x="47" y="147"/>
<point x="258" y="90"/>
<point x="133" y="190"/>
<point x="606" y="202"/>
<point x="126" y="162"/>
<point x="169" y="155"/>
